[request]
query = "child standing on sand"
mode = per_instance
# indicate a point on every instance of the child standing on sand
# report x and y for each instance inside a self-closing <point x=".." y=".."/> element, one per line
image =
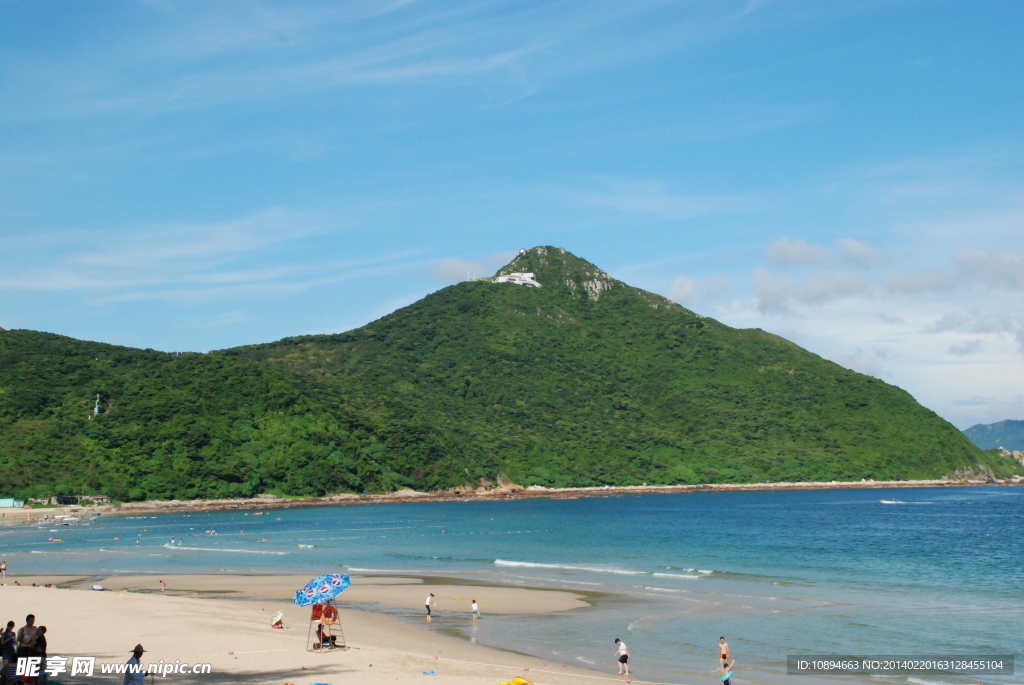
<point x="429" y="602"/>
<point x="622" y="656"/>
<point x="475" y="609"/>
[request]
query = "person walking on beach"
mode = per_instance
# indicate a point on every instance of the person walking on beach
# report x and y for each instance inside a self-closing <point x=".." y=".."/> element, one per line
<point x="723" y="650"/>
<point x="135" y="674"/>
<point x="163" y="586"/>
<point x="3" y="568"/>
<point x="727" y="672"/>
<point x="622" y="655"/>
<point x="429" y="603"/>
<point x="475" y="609"/>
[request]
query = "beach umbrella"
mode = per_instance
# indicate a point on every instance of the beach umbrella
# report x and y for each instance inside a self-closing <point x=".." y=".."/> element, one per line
<point x="321" y="589"/>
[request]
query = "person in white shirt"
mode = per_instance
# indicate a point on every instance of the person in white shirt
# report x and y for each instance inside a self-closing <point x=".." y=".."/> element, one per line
<point x="475" y="609"/>
<point x="131" y="677"/>
<point x="623" y="656"/>
<point x="429" y="602"/>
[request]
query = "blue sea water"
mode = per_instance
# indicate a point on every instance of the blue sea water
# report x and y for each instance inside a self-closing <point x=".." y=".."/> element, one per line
<point x="777" y="573"/>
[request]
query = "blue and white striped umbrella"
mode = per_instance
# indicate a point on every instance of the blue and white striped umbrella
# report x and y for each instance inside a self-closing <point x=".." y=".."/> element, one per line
<point x="321" y="589"/>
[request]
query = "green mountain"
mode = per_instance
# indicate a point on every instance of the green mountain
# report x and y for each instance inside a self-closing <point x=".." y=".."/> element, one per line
<point x="1008" y="434"/>
<point x="582" y="381"/>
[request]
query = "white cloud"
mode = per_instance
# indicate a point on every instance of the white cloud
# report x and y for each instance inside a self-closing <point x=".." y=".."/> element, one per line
<point x="856" y="360"/>
<point x="454" y="270"/>
<point x="785" y="252"/>
<point x="771" y="292"/>
<point x="937" y="281"/>
<point x="825" y="288"/>
<point x="778" y="293"/>
<point x="694" y="292"/>
<point x="862" y="254"/>
<point x="973" y="321"/>
<point x="966" y="347"/>
<point x="1002" y="271"/>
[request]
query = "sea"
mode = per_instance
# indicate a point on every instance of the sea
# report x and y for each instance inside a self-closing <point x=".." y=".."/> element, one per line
<point x="783" y="573"/>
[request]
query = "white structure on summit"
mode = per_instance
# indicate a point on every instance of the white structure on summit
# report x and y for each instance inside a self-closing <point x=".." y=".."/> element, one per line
<point x="519" y="278"/>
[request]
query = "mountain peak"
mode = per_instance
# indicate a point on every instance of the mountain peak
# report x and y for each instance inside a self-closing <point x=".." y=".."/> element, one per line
<point x="557" y="268"/>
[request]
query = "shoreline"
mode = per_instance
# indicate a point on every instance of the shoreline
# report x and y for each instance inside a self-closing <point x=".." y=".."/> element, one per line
<point x="197" y="625"/>
<point x="498" y="494"/>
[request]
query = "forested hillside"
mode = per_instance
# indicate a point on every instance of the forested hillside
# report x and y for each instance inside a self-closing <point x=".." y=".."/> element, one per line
<point x="582" y="381"/>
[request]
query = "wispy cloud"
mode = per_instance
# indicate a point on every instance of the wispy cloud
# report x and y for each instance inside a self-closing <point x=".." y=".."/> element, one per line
<point x="858" y="253"/>
<point x="191" y="263"/>
<point x="1002" y="270"/>
<point x="214" y="54"/>
<point x="786" y="252"/>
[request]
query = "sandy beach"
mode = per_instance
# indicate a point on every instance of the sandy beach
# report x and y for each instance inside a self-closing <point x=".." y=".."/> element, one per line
<point x="191" y="623"/>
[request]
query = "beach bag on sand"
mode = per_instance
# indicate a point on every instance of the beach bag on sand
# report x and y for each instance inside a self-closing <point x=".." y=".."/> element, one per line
<point x="517" y="681"/>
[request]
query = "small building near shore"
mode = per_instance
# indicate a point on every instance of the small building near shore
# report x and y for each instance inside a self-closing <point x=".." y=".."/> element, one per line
<point x="69" y="500"/>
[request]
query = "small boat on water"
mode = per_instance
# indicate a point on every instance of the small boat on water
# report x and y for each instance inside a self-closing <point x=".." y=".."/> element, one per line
<point x="891" y="501"/>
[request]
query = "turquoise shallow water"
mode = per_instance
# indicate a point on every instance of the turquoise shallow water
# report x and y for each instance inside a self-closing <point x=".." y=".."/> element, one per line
<point x="777" y="573"/>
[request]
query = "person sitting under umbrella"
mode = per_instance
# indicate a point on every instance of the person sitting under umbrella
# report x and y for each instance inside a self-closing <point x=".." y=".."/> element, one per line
<point x="324" y="639"/>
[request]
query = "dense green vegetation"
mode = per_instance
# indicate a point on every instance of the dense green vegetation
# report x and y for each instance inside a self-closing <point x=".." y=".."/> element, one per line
<point x="1006" y="434"/>
<point x="584" y="381"/>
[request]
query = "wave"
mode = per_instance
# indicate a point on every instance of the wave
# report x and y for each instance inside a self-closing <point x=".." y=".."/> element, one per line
<point x="673" y="575"/>
<point x="217" y="549"/>
<point x="379" y="570"/>
<point x="569" y="567"/>
<point x="661" y="589"/>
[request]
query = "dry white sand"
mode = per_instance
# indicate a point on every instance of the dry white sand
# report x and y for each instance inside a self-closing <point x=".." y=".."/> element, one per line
<point x="235" y="637"/>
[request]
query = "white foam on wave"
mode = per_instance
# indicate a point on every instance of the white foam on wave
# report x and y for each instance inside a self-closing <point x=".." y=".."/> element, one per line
<point x="586" y="661"/>
<point x="660" y="589"/>
<point x="569" y="567"/>
<point x="216" y="549"/>
<point x="703" y="572"/>
<point x="378" y="570"/>
<point x="673" y="575"/>
<point x="919" y="681"/>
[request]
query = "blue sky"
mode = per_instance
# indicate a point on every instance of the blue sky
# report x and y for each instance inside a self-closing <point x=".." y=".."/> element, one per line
<point x="194" y="176"/>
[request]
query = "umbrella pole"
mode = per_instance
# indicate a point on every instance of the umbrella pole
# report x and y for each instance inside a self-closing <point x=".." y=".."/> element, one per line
<point x="309" y="631"/>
